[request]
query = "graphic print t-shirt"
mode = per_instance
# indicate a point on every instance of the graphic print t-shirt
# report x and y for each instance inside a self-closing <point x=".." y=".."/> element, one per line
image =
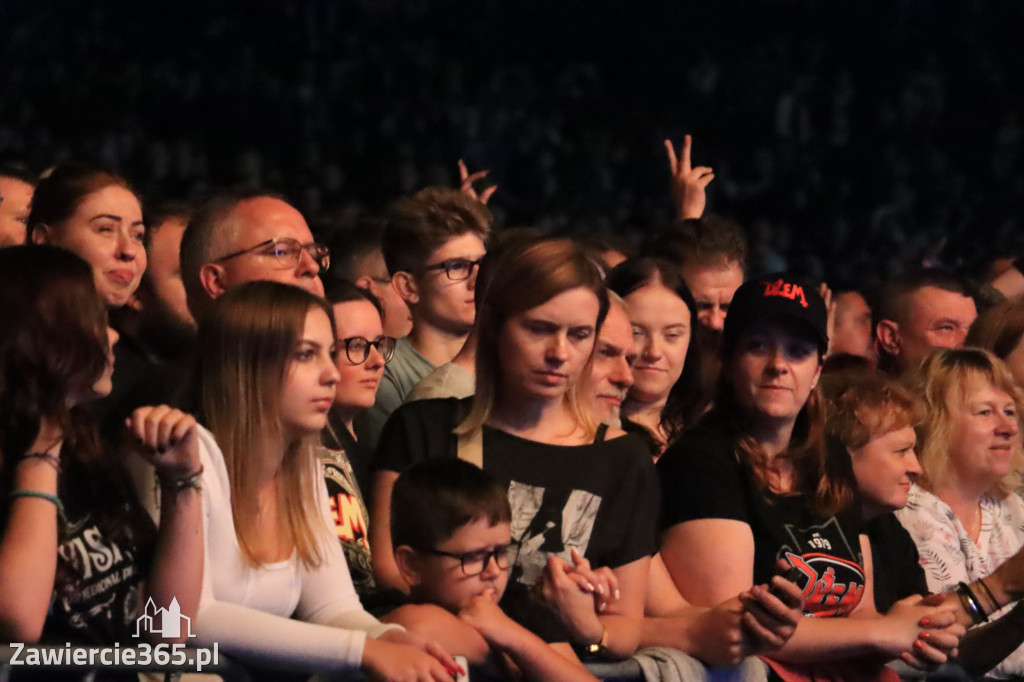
<point x="600" y="498"/>
<point x="702" y="478"/>
<point x="350" y="518"/>
<point x="99" y="602"/>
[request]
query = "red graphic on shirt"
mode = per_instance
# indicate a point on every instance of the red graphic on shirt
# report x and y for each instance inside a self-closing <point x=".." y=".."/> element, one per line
<point x="834" y="586"/>
<point x="348" y="519"/>
<point x="786" y="290"/>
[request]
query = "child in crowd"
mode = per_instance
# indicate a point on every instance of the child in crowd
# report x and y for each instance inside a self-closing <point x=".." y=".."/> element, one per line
<point x="450" y="529"/>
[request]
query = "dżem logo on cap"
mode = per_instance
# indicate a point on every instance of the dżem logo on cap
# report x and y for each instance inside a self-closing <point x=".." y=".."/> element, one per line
<point x="785" y="289"/>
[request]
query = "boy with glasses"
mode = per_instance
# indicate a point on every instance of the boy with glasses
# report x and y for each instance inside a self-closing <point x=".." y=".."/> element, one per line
<point x="450" y="527"/>
<point x="432" y="245"/>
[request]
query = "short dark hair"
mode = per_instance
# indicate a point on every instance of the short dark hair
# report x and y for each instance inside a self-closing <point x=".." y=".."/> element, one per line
<point x="419" y="224"/>
<point x="337" y="290"/>
<point x="155" y="214"/>
<point x="893" y="300"/>
<point x="197" y="242"/>
<point x="352" y="244"/>
<point x="707" y="241"/>
<point x="433" y="499"/>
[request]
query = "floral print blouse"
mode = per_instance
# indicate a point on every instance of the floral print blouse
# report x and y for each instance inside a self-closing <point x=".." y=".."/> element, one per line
<point x="949" y="555"/>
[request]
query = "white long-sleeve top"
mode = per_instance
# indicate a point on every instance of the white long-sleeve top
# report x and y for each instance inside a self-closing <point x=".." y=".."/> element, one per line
<point x="280" y="614"/>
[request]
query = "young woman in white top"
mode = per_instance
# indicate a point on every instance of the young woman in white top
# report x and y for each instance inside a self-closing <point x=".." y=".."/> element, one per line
<point x="276" y="589"/>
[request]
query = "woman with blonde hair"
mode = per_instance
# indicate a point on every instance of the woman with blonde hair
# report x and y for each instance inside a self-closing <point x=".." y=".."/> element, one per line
<point x="963" y="513"/>
<point x="276" y="590"/>
<point x="581" y="492"/>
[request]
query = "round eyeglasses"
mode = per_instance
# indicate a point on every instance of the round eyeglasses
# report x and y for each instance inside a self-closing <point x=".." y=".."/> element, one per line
<point x="357" y="348"/>
<point x="474" y="563"/>
<point x="287" y="252"/>
<point x="457" y="269"/>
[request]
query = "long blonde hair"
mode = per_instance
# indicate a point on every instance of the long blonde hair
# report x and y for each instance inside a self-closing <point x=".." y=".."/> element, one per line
<point x="525" y="276"/>
<point x="945" y="376"/>
<point x="244" y="349"/>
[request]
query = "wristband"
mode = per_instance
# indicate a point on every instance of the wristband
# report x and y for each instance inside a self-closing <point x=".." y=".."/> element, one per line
<point x="52" y="460"/>
<point x="971" y="604"/>
<point x="991" y="597"/>
<point x="186" y="482"/>
<point x="61" y="520"/>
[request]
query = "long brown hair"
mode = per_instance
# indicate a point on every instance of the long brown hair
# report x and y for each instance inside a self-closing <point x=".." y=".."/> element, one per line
<point x="814" y="475"/>
<point x="53" y="349"/>
<point x="524" y="277"/>
<point x="245" y="347"/>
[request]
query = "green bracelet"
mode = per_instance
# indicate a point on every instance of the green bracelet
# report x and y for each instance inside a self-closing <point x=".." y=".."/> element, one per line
<point x="43" y="496"/>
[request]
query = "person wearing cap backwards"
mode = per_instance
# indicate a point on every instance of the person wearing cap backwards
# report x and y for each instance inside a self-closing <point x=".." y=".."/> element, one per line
<point x="756" y="486"/>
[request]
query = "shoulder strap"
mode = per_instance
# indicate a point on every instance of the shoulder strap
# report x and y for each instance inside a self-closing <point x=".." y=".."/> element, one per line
<point x="602" y="431"/>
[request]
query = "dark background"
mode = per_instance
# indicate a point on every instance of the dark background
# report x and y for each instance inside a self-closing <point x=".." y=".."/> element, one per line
<point x="846" y="137"/>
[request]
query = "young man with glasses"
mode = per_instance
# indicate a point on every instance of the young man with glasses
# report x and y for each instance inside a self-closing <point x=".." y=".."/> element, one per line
<point x="433" y="245"/>
<point x="242" y="237"/>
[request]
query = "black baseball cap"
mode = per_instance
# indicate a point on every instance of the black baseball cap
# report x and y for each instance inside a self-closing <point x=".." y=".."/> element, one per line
<point x="773" y="297"/>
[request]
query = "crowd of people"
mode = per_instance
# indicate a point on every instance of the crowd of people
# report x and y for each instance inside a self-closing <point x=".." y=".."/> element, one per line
<point x="415" y="442"/>
<point x="434" y="438"/>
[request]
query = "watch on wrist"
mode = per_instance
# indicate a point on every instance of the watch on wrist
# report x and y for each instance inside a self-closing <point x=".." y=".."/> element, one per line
<point x="601" y="646"/>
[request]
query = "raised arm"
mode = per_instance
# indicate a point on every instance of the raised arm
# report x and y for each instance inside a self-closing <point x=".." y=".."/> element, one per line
<point x="689" y="185"/>
<point x="168" y="439"/>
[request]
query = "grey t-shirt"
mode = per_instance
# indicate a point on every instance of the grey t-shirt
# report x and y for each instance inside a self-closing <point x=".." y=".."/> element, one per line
<point x="401" y="375"/>
<point x="447" y="381"/>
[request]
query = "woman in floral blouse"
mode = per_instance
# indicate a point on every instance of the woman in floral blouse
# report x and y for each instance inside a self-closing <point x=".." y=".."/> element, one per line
<point x="964" y="513"/>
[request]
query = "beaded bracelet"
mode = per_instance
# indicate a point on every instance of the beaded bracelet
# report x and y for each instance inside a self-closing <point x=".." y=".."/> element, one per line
<point x="971" y="604"/>
<point x="189" y="481"/>
<point x="52" y="460"/>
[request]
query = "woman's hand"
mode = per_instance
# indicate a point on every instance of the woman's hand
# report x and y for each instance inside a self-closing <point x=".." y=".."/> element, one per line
<point x="399" y="662"/>
<point x="920" y="632"/>
<point x="771" y="615"/>
<point x="572" y="597"/>
<point x="169" y="440"/>
<point x="424" y="644"/>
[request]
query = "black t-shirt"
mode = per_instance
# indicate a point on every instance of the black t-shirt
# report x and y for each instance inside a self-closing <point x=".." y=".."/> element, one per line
<point x="600" y="498"/>
<point x="96" y="594"/>
<point x="898" y="573"/>
<point x="703" y="478"/>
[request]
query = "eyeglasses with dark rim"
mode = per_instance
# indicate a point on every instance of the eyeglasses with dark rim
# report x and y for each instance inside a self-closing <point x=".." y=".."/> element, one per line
<point x="357" y="348"/>
<point x="474" y="563"/>
<point x="287" y="251"/>
<point x="457" y="269"/>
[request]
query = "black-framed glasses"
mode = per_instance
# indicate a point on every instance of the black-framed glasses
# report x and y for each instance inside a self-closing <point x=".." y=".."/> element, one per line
<point x="457" y="269"/>
<point x="287" y="252"/>
<point x="357" y="348"/>
<point x="474" y="563"/>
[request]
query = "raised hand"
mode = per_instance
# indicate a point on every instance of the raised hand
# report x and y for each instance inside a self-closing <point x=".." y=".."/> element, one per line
<point x="168" y="439"/>
<point x="466" y="180"/>
<point x="688" y="184"/>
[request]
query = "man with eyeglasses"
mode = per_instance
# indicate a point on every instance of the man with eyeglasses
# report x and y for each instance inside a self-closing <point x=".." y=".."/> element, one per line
<point x="432" y="245"/>
<point x="242" y="237"/>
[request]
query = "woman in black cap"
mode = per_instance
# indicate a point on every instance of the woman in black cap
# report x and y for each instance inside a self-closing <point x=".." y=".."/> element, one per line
<point x="756" y="482"/>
